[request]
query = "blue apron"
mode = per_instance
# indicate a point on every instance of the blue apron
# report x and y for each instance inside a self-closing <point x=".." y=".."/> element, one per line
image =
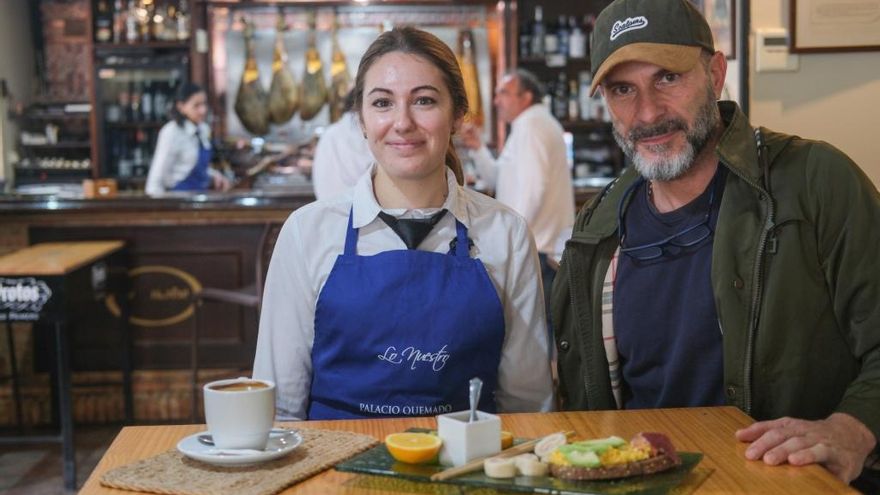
<point x="198" y="179"/>
<point x="401" y="332"/>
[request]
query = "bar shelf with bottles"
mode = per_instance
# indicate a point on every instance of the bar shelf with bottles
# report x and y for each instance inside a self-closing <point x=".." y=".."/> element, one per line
<point x="53" y="143"/>
<point x="553" y="43"/>
<point x="154" y="23"/>
<point x="141" y="55"/>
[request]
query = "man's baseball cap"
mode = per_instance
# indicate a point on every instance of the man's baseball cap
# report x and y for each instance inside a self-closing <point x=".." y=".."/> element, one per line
<point x="668" y="33"/>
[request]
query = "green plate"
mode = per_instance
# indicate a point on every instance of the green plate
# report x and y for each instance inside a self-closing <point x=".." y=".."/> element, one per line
<point x="378" y="461"/>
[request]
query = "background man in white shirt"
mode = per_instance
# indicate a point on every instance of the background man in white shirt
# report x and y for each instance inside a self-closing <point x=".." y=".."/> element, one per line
<point x="531" y="174"/>
<point x="341" y="156"/>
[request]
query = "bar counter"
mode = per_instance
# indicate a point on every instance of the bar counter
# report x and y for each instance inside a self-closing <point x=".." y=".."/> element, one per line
<point x="178" y="244"/>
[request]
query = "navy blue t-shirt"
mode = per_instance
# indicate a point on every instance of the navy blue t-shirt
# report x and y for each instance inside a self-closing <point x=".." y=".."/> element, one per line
<point x="667" y="329"/>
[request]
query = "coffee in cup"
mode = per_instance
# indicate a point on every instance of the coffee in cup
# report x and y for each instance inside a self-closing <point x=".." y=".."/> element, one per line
<point x="240" y="412"/>
<point x="238" y="386"/>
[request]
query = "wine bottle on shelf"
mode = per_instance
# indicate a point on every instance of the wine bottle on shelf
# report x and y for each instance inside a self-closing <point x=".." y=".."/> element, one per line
<point x="145" y="20"/>
<point x="560" y="98"/>
<point x="147" y="103"/>
<point x="118" y="21"/>
<point x="584" y="101"/>
<point x="577" y="42"/>
<point x="525" y="41"/>
<point x="573" y="110"/>
<point x="563" y="35"/>
<point x="551" y="39"/>
<point x="136" y="110"/>
<point x="589" y="22"/>
<point x="103" y="22"/>
<point x="160" y="101"/>
<point x="131" y="23"/>
<point x="538" y="32"/>
<point x="182" y="21"/>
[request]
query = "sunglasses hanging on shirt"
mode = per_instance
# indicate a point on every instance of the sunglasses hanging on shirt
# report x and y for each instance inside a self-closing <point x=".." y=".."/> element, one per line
<point x="688" y="237"/>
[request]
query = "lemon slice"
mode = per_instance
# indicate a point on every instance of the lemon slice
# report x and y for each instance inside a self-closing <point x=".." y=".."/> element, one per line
<point x="413" y="448"/>
<point x="506" y="439"/>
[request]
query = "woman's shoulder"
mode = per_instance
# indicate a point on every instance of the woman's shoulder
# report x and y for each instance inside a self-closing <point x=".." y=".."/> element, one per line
<point x="481" y="206"/>
<point x="171" y="130"/>
<point x="322" y="211"/>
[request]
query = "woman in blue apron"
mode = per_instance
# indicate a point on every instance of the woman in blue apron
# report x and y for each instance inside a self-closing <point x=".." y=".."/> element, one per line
<point x="387" y="300"/>
<point x="182" y="158"/>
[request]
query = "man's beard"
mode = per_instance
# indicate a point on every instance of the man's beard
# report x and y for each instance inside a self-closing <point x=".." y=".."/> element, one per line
<point x="667" y="165"/>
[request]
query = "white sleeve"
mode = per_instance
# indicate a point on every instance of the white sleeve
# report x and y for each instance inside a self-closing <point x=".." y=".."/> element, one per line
<point x="524" y="380"/>
<point x="531" y="154"/>
<point x="160" y="166"/>
<point x="284" y="343"/>
<point x="325" y="173"/>
<point x="486" y="165"/>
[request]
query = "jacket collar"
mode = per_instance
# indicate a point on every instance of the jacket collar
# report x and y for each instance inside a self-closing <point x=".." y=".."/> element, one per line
<point x="737" y="148"/>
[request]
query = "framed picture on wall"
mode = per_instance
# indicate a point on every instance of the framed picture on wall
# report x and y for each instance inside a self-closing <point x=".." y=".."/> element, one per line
<point x="721" y="16"/>
<point x="834" y="25"/>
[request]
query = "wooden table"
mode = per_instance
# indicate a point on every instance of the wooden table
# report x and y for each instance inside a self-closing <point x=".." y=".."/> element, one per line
<point x="53" y="284"/>
<point x="706" y="430"/>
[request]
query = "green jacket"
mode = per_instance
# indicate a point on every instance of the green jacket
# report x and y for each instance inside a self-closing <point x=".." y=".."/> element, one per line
<point x="795" y="274"/>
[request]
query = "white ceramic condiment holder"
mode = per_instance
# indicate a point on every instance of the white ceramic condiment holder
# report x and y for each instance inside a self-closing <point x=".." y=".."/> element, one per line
<point x="463" y="441"/>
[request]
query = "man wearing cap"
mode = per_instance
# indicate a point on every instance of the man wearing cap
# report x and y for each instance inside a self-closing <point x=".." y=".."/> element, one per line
<point x="727" y="265"/>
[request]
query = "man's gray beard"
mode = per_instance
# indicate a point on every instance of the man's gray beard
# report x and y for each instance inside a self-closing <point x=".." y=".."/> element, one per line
<point x="668" y="166"/>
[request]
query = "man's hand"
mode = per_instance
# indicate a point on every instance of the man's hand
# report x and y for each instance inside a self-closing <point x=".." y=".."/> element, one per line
<point x="470" y="136"/>
<point x="840" y="443"/>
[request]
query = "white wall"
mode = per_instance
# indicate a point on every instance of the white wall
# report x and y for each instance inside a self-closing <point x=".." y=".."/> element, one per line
<point x="16" y="64"/>
<point x="834" y="97"/>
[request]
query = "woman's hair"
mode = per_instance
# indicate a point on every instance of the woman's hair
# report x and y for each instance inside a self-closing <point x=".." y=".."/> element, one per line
<point x="429" y="47"/>
<point x="184" y="92"/>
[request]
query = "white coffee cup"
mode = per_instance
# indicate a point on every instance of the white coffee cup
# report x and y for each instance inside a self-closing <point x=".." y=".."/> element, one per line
<point x="240" y="412"/>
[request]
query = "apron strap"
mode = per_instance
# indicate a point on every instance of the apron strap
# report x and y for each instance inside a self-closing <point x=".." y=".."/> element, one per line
<point x="351" y="236"/>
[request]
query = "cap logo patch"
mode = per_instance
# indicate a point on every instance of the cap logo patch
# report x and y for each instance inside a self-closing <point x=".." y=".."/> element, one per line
<point x="628" y="24"/>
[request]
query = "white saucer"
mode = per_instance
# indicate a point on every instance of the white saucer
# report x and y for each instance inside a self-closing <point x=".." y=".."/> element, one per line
<point x="281" y="443"/>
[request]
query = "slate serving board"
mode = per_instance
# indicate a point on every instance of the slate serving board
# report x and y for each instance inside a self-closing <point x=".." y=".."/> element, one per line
<point x="378" y="461"/>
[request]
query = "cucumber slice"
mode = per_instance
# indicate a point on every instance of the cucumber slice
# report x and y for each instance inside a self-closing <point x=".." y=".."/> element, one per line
<point x="583" y="459"/>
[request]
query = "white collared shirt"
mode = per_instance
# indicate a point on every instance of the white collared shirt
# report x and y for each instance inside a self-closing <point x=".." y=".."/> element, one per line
<point x="341" y="157"/>
<point x="531" y="175"/>
<point x="176" y="153"/>
<point x="314" y="235"/>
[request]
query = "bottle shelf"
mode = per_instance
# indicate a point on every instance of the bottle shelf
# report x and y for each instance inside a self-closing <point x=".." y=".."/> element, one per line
<point x="148" y="124"/>
<point x="102" y="48"/>
<point x="85" y="145"/>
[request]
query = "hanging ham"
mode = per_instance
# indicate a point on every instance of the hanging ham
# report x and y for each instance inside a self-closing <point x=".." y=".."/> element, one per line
<point x="283" y="92"/>
<point x="251" y="100"/>
<point x="467" y="61"/>
<point x="314" y="89"/>
<point x="340" y="79"/>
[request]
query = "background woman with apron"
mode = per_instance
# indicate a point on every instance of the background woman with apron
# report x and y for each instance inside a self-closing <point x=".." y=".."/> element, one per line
<point x="387" y="300"/>
<point x="182" y="158"/>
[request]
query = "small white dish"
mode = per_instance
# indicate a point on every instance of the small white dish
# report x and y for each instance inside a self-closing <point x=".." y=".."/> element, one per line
<point x="281" y="443"/>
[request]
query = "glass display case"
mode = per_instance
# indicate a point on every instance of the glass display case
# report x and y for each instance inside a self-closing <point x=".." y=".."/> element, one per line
<point x="134" y="91"/>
